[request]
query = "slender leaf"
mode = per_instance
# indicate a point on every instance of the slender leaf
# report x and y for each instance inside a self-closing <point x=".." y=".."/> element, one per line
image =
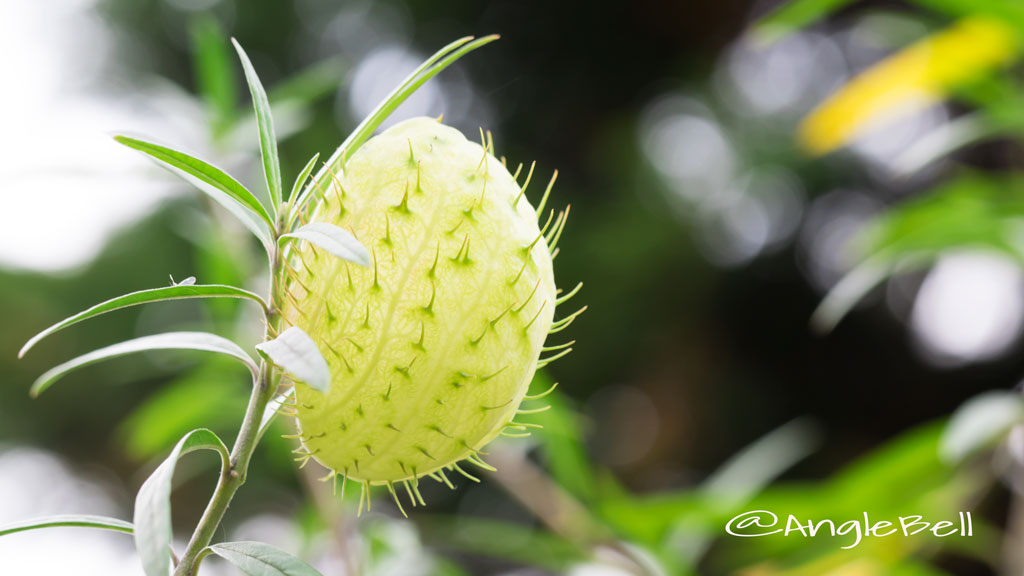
<point x="757" y="465"/>
<point x="904" y="476"/>
<point x="183" y="290"/>
<point x="1001" y="113"/>
<point x="972" y="212"/>
<point x="153" y="531"/>
<point x="69" y="520"/>
<point x="213" y="72"/>
<point x="980" y="422"/>
<point x="213" y="181"/>
<point x="431" y="67"/>
<point x="561" y="443"/>
<point x="259" y="559"/>
<point x="793" y="15"/>
<point x="377" y="115"/>
<point x="298" y="356"/>
<point x="265" y="121"/>
<point x="303" y="176"/>
<point x="1009" y="11"/>
<point x="335" y="240"/>
<point x="905" y="466"/>
<point x="945" y="139"/>
<point x="999" y="97"/>
<point x="170" y="341"/>
<point x="444" y="58"/>
<point x="852" y="287"/>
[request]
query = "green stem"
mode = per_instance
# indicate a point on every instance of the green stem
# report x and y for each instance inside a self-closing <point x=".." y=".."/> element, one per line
<point x="232" y="475"/>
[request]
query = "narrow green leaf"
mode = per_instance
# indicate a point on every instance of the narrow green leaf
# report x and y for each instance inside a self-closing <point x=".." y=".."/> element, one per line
<point x="792" y="16"/>
<point x="1009" y="11"/>
<point x="980" y="422"/>
<point x="970" y="212"/>
<point x="850" y="289"/>
<point x="268" y="140"/>
<point x="562" y="446"/>
<point x="213" y="72"/>
<point x="431" y="67"/>
<point x="335" y="240"/>
<point x="756" y="466"/>
<point x="259" y="559"/>
<point x="297" y="355"/>
<point x="153" y="503"/>
<point x="443" y="59"/>
<point x="213" y="181"/>
<point x="945" y="139"/>
<point x="181" y="291"/>
<point x="907" y="465"/>
<point x="169" y="341"/>
<point x="375" y="117"/>
<point x="71" y="520"/>
<point x="303" y="176"/>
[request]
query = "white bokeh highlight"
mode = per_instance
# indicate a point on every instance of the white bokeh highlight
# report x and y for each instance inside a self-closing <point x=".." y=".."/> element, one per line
<point x="970" y="308"/>
<point x="67" y="185"/>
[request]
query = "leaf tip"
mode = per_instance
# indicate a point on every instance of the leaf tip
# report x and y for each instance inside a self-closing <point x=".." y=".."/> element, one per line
<point x="764" y="34"/>
<point x="362" y="255"/>
<point x="822" y="321"/>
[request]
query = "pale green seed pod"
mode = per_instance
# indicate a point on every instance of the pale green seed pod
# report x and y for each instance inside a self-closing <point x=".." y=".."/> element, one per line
<point x="432" y="347"/>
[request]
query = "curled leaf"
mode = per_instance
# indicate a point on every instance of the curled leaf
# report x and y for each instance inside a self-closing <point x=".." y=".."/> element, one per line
<point x="337" y="241"/>
<point x="153" y="532"/>
<point x="298" y="356"/>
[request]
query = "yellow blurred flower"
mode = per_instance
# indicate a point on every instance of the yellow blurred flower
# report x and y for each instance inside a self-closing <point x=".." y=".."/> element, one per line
<point x="913" y="78"/>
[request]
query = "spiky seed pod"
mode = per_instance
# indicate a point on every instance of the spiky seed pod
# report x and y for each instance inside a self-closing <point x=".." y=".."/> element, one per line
<point x="433" y="346"/>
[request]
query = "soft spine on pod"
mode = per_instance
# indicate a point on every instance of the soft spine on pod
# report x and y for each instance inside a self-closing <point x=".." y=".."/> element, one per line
<point x="433" y="347"/>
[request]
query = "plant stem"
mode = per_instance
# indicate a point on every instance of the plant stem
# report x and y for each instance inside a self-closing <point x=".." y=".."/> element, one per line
<point x="232" y="475"/>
